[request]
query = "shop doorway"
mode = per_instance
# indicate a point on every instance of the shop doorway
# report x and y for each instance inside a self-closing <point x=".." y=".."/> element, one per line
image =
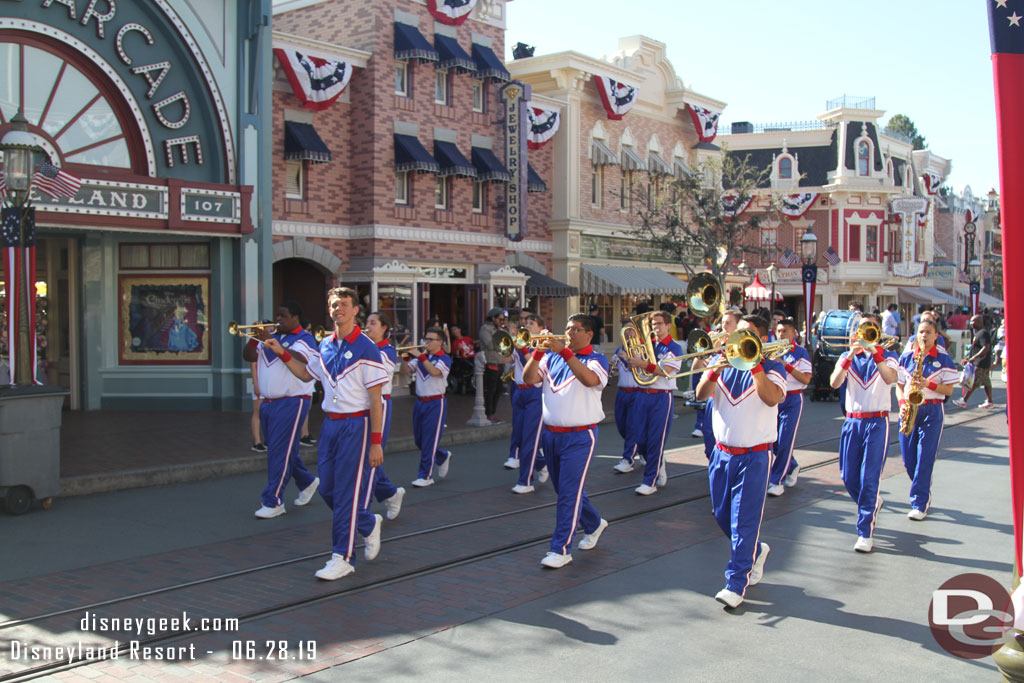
<point x="448" y="303"/>
<point x="307" y="284"/>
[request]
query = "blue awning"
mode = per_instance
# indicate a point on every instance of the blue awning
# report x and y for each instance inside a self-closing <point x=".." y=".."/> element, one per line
<point x="410" y="44"/>
<point x="488" y="65"/>
<point x="488" y="167"/>
<point x="452" y="161"/>
<point x="534" y="183"/>
<point x="452" y="54"/>
<point x="410" y="155"/>
<point x="301" y="142"/>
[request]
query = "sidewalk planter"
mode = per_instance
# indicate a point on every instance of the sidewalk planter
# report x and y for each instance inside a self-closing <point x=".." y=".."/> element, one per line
<point x="29" y="445"/>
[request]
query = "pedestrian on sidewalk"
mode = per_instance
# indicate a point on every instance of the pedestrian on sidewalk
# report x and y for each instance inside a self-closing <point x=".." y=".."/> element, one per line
<point x="524" y="447"/>
<point x="285" y="404"/>
<point x="785" y="468"/>
<point x="352" y="374"/>
<point x="431" y="369"/>
<point x="745" y="420"/>
<point x="979" y="353"/>
<point x="573" y="377"/>
<point x="496" y="320"/>
<point x="378" y="329"/>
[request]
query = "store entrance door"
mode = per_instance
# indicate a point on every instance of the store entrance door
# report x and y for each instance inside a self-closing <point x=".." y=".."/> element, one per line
<point x="448" y="303"/>
<point x="58" y="316"/>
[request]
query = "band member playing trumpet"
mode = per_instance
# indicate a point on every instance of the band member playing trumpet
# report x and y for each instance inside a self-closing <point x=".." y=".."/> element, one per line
<point x="864" y="439"/>
<point x="350" y="369"/>
<point x="285" y="405"/>
<point x="573" y="378"/>
<point x="527" y="407"/>
<point x="745" y="423"/>
<point x="785" y="468"/>
<point x="932" y="373"/>
<point x="378" y="329"/>
<point x="652" y="410"/>
<point x="431" y="368"/>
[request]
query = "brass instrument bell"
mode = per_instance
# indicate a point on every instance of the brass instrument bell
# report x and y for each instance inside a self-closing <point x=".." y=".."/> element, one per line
<point x="236" y="330"/>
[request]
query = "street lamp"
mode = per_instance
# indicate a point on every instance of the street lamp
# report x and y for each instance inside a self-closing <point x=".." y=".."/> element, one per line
<point x="809" y="276"/>
<point x="773" y="277"/>
<point x="974" y="275"/>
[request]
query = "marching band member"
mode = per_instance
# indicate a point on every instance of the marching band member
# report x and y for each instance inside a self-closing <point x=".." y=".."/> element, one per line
<point x="938" y="378"/>
<point x="286" y="400"/>
<point x="378" y="329"/>
<point x="745" y="422"/>
<point x="431" y="407"/>
<point x="573" y="378"/>
<point x="785" y="468"/>
<point x="864" y="439"/>
<point x="350" y="369"/>
<point x="730" y="323"/>
<point x="625" y="400"/>
<point x="652" y="409"/>
<point x="526" y="418"/>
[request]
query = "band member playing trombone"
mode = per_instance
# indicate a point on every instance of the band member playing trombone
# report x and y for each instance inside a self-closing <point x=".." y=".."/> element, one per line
<point x="431" y="368"/>
<point x="527" y="407"/>
<point x="378" y="329"/>
<point x="573" y="378"/>
<point x="286" y="400"/>
<point x="745" y="423"/>
<point x="652" y="410"/>
<point x="730" y="321"/>
<point x="785" y="468"/>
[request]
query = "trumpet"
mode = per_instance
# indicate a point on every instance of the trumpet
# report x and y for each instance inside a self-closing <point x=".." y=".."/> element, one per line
<point x="410" y="348"/>
<point x="503" y="342"/>
<point x="235" y="330"/>
<point x="868" y="335"/>
<point x="638" y="340"/>
<point x="742" y="350"/>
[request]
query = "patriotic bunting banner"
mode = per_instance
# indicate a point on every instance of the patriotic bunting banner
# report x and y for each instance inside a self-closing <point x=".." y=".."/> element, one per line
<point x="617" y="98"/>
<point x="55" y="182"/>
<point x="732" y="207"/>
<point x="796" y="205"/>
<point x="543" y="125"/>
<point x="316" y="82"/>
<point x="15" y="263"/>
<point x="922" y="220"/>
<point x="931" y="183"/>
<point x="788" y="259"/>
<point x="451" y="12"/>
<point x="705" y="121"/>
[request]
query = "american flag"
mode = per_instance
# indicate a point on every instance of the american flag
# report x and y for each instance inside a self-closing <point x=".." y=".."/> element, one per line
<point x="55" y="182"/>
<point x="3" y="185"/>
<point x="788" y="259"/>
<point x="832" y="257"/>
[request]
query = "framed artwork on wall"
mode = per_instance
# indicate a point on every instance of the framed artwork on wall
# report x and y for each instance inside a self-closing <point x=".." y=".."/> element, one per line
<point x="164" y="320"/>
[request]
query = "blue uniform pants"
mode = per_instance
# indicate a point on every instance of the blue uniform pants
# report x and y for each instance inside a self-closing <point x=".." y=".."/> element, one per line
<point x="378" y="485"/>
<point x="709" y="432"/>
<point x="863" y="443"/>
<point x="527" y="411"/>
<point x="568" y="456"/>
<point x="282" y="423"/>
<point x="790" y="411"/>
<point x="343" y="464"/>
<point x="427" y="427"/>
<point x="919" y="451"/>
<point x="653" y="419"/>
<point x="624" y="414"/>
<point x="738" y="487"/>
<point x="701" y="414"/>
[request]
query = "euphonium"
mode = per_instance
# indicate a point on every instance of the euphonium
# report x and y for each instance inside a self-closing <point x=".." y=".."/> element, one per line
<point x="913" y="398"/>
<point x="638" y="340"/>
<point x="704" y="296"/>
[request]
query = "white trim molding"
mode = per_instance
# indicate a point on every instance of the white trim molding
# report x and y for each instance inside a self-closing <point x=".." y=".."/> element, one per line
<point x="401" y="233"/>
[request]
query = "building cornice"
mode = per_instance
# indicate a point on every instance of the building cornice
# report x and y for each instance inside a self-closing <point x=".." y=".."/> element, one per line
<point x="402" y="233"/>
<point x="319" y="48"/>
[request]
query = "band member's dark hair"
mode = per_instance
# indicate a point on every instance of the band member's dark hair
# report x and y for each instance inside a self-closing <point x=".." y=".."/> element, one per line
<point x="293" y="307"/>
<point x="343" y="293"/>
<point x="873" y="317"/>
<point x="385" y="321"/>
<point x="760" y="323"/>
<point x="535" y="318"/>
<point x="788" y="322"/>
<point x="436" y="330"/>
<point x="779" y="312"/>
<point x="665" y="316"/>
<point x="585" y="321"/>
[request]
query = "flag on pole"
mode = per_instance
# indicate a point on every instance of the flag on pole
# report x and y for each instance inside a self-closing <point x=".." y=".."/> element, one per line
<point x="55" y="182"/>
<point x="3" y="185"/>
<point x="788" y="259"/>
<point x="832" y="257"/>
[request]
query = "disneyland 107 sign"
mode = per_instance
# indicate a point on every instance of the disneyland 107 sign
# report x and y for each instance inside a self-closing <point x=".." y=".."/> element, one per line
<point x="907" y="209"/>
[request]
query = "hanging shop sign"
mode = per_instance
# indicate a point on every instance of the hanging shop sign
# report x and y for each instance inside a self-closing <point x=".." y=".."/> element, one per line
<point x="516" y="96"/>
<point x="906" y="209"/>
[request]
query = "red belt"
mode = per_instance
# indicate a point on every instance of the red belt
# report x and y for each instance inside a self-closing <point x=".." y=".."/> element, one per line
<point x="628" y="390"/>
<point x="281" y="398"/>
<point x="492" y="367"/>
<point x="655" y="391"/>
<point x="741" y="451"/>
<point x="795" y="391"/>
<point x="525" y="386"/>
<point x="864" y="416"/>
<point x="345" y="416"/>
<point x="566" y="430"/>
<point x="429" y="398"/>
<point x="386" y="397"/>
<point x="933" y="400"/>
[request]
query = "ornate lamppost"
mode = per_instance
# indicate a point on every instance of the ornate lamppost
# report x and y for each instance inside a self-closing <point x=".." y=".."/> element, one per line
<point x="773" y="277"/>
<point x="972" y="266"/>
<point x="809" y="276"/>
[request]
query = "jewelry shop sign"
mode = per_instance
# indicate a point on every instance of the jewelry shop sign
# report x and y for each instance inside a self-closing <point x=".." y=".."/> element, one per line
<point x="515" y="96"/>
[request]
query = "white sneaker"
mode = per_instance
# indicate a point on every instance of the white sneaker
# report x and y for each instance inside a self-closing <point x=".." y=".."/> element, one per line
<point x="916" y="515"/>
<point x="728" y="598"/>
<point x="757" y="571"/>
<point x="306" y="494"/>
<point x="642" y="460"/>
<point x="662" y="474"/>
<point x="696" y="433"/>
<point x="959" y="403"/>
<point x="269" y="513"/>
<point x="556" y="561"/>
<point x="393" y="505"/>
<point x="542" y="475"/>
<point x="372" y="548"/>
<point x="645" y="490"/>
<point x="622" y="467"/>
<point x="442" y="469"/>
<point x="988" y="404"/>
<point x="512" y="464"/>
<point x="335" y="568"/>
<point x="791" y="478"/>
<point x="863" y="545"/>
<point x="519" y="488"/>
<point x="776" y="489"/>
<point x="422" y="482"/>
<point x="590" y="540"/>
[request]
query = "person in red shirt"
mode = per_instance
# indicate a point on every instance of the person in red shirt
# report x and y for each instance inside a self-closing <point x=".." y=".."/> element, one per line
<point x="463" y="352"/>
<point x="462" y="347"/>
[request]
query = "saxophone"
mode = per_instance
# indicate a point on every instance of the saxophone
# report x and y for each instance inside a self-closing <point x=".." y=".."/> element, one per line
<point x="913" y="398"/>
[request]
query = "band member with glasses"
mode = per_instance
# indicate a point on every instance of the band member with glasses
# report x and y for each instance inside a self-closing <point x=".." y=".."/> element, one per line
<point x="428" y="415"/>
<point x="524" y="452"/>
<point x="378" y="328"/>
<point x="785" y="468"/>
<point x="625" y="408"/>
<point x="573" y="377"/>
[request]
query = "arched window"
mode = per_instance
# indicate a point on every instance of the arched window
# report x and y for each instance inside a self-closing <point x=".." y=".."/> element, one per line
<point x="863" y="158"/>
<point x="785" y="168"/>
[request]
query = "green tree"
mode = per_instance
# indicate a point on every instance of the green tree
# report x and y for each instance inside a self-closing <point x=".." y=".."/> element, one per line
<point x="901" y="123"/>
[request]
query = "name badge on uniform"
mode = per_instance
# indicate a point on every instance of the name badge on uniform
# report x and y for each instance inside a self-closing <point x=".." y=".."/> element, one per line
<point x="348" y="354"/>
<point x="285" y="344"/>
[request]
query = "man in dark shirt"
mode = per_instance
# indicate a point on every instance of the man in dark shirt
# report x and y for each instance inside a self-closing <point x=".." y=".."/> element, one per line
<point x="595" y="313"/>
<point x="979" y="353"/>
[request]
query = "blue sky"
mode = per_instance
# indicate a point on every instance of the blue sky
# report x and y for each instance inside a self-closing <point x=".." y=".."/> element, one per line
<point x="782" y="61"/>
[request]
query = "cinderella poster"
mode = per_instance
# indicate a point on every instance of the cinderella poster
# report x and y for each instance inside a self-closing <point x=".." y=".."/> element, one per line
<point x="164" y="319"/>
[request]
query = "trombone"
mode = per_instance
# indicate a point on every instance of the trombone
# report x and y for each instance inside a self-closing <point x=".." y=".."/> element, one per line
<point x="236" y="330"/>
<point x="868" y="335"/>
<point x="742" y="350"/>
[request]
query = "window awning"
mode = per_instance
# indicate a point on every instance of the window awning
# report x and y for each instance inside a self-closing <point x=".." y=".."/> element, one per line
<point x="488" y="65"/>
<point x="302" y="142"/>
<point x="681" y="170"/>
<point x="451" y="160"/>
<point x="600" y="154"/>
<point x="614" y="280"/>
<point x="488" y="167"/>
<point x="926" y="295"/>
<point x="452" y="56"/>
<point x="534" y="183"/>
<point x="410" y="44"/>
<point x="983" y="298"/>
<point x="410" y="155"/>
<point x="631" y="161"/>
<point x="540" y="284"/>
<point x="657" y="165"/>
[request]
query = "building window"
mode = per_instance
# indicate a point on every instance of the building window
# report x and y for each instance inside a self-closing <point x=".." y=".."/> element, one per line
<point x="769" y="245"/>
<point x="396" y="301"/>
<point x="863" y="158"/>
<point x="479" y="196"/>
<point x="785" y="168"/>
<point x="402" y="79"/>
<point x="871" y="243"/>
<point x="441" y="193"/>
<point x="595" y="186"/>
<point x="295" y="179"/>
<point x="479" y="98"/>
<point x="402" y="187"/>
<point x="507" y="296"/>
<point x="441" y="87"/>
<point x="854" y="251"/>
<point x="625" y="189"/>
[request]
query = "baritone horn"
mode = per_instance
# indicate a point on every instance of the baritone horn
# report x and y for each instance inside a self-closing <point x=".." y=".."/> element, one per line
<point x="638" y="340"/>
<point x="704" y="296"/>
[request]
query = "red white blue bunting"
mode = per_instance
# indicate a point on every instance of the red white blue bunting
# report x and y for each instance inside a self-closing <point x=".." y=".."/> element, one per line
<point x="931" y="183"/>
<point x="705" y="121"/>
<point x="733" y="206"/>
<point x="796" y="205"/>
<point x="451" y="12"/>
<point x="617" y="98"/>
<point x="543" y="125"/>
<point x="316" y="82"/>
